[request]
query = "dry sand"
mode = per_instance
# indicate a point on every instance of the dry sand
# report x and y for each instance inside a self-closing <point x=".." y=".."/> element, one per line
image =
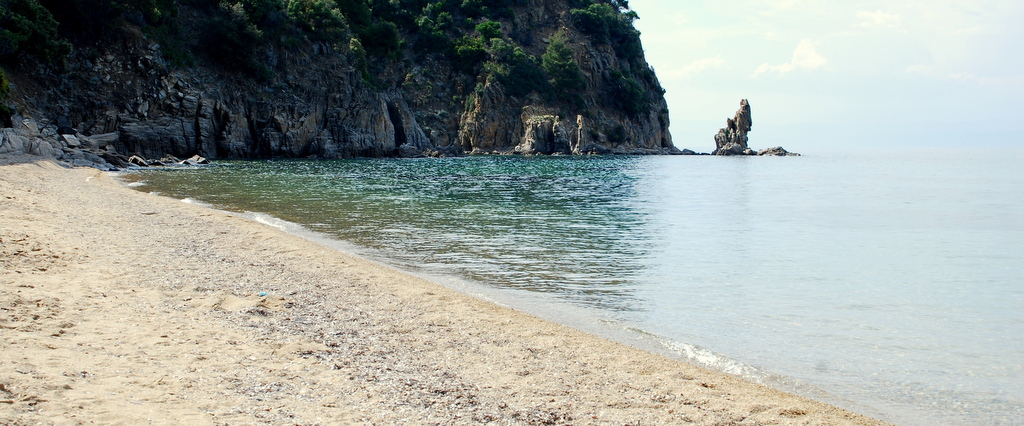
<point x="123" y="307"/>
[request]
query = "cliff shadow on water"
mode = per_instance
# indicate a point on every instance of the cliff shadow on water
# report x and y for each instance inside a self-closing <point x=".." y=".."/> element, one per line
<point x="98" y="81"/>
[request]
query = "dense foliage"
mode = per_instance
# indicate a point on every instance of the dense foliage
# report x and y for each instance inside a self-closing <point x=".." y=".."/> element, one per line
<point x="477" y="38"/>
<point x="27" y="26"/>
<point x="517" y="71"/>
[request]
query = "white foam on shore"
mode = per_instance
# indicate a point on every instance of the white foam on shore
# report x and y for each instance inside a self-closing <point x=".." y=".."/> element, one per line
<point x="267" y="219"/>
<point x="194" y="202"/>
<point x="712" y="360"/>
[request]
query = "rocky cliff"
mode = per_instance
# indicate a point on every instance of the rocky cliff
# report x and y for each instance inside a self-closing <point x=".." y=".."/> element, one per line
<point x="127" y="91"/>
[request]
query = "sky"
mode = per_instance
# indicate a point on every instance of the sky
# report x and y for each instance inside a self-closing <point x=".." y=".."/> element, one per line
<point x="829" y="74"/>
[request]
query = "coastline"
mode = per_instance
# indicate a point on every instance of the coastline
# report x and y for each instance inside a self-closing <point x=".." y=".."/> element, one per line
<point x="120" y="306"/>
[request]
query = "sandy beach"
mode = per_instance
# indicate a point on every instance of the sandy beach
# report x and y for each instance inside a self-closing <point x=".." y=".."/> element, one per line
<point x="121" y="307"/>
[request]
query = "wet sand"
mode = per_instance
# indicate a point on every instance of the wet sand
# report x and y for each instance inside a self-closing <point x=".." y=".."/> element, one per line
<point x="121" y="307"/>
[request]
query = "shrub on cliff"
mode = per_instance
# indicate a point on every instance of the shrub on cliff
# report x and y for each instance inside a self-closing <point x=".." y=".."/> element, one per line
<point x="357" y="12"/>
<point x="611" y="23"/>
<point x="489" y="8"/>
<point x="517" y="71"/>
<point x="232" y="41"/>
<point x="265" y="14"/>
<point x="469" y="52"/>
<point x="432" y="35"/>
<point x="489" y="30"/>
<point x="321" y="18"/>
<point x="380" y="38"/>
<point x="357" y="54"/>
<point x="5" y="86"/>
<point x="596" y="20"/>
<point x="5" y="112"/>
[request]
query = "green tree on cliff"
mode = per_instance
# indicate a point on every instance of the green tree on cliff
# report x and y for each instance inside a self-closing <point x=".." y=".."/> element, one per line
<point x="561" y="67"/>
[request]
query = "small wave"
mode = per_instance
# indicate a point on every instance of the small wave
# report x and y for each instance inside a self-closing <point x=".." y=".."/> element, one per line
<point x="712" y="360"/>
<point x="269" y="220"/>
<point x="707" y="358"/>
<point x="136" y="184"/>
<point x="195" y="202"/>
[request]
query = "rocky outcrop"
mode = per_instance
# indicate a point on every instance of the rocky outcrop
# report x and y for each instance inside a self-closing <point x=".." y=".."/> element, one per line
<point x="732" y="139"/>
<point x="97" y="151"/>
<point x="777" y="151"/>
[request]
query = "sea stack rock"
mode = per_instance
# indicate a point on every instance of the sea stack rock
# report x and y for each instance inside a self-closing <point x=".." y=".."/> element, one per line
<point x="732" y="140"/>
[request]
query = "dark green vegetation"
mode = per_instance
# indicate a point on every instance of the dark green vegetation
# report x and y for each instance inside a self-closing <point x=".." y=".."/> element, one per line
<point x="480" y="39"/>
<point x="27" y="26"/>
<point x="5" y="88"/>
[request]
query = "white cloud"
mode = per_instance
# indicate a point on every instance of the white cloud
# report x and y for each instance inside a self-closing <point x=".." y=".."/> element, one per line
<point x="934" y="73"/>
<point x="804" y="57"/>
<point x="697" y="67"/>
<point x="878" y="19"/>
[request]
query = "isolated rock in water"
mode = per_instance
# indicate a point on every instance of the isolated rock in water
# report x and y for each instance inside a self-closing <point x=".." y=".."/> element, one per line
<point x="732" y="140"/>
<point x="777" y="151"/>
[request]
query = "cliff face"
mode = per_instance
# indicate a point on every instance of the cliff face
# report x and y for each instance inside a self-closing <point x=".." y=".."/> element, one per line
<point x="123" y="95"/>
<point x="320" y="107"/>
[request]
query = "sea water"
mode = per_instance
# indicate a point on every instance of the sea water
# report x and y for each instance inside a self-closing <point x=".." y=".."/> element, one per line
<point x="890" y="282"/>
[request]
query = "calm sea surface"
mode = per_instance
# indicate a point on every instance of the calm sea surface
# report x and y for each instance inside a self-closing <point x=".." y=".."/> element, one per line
<point x="891" y="283"/>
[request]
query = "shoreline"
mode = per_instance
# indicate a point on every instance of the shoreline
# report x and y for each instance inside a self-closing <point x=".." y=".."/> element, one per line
<point x="122" y="306"/>
<point x="561" y="313"/>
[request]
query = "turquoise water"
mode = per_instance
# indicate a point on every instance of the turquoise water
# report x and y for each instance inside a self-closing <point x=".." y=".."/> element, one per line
<point x="890" y="283"/>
